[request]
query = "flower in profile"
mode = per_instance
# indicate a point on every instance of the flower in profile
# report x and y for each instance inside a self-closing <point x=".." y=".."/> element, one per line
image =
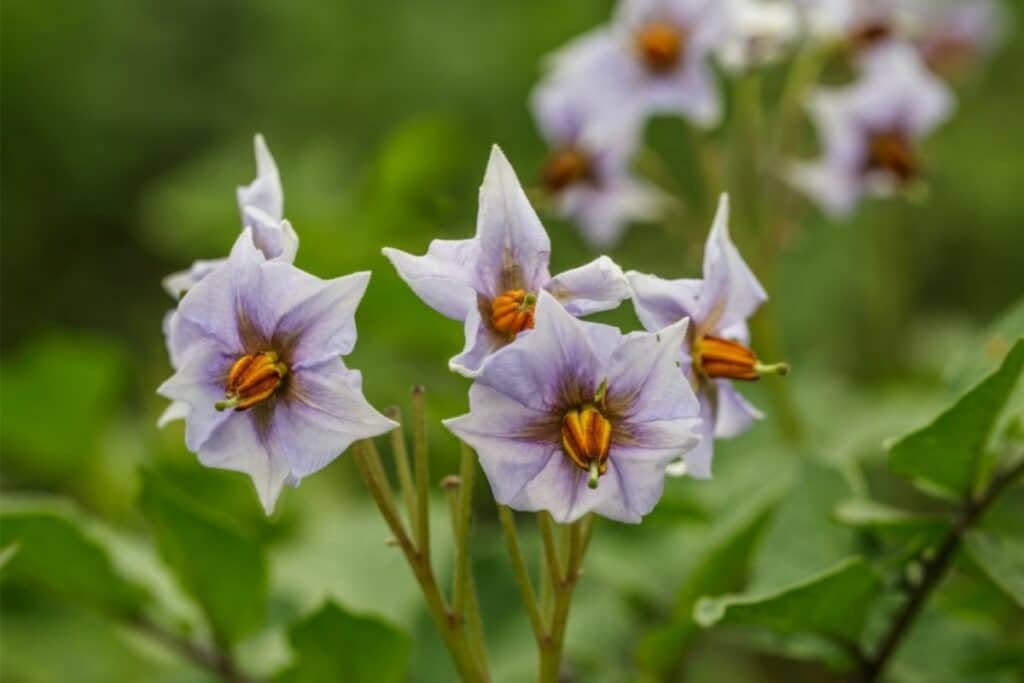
<point x="870" y="131"/>
<point x="716" y="350"/>
<point x="258" y="345"/>
<point x="651" y="59"/>
<point x="954" y="35"/>
<point x="760" y="32"/>
<point x="492" y="281"/>
<point x="587" y="170"/>
<point x="261" y="204"/>
<point x="577" y="417"/>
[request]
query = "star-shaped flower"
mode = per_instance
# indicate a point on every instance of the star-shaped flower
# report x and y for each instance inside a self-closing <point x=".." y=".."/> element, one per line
<point x="651" y="59"/>
<point x="491" y="282"/>
<point x="870" y="131"/>
<point x="576" y="417"/>
<point x="716" y="349"/>
<point x="587" y="171"/>
<point x="259" y="346"/>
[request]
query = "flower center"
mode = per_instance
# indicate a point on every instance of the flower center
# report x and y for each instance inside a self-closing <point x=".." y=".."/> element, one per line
<point x="715" y="357"/>
<point x="892" y="152"/>
<point x="586" y="439"/>
<point x="512" y="312"/>
<point x="661" y="45"/>
<point x="870" y="33"/>
<point x="252" y="379"/>
<point x="567" y="166"/>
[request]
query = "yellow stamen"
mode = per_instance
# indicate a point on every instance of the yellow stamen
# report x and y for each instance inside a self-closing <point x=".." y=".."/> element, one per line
<point x="565" y="167"/>
<point x="716" y="357"/>
<point x="661" y="45"/>
<point x="252" y="379"/>
<point x="586" y="440"/>
<point x="512" y="312"/>
<point x="892" y="152"/>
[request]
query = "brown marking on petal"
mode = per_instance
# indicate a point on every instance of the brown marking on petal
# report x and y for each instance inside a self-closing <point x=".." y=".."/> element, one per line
<point x="870" y="33"/>
<point x="565" y="167"/>
<point x="512" y="312"/>
<point x="661" y="45"/>
<point x="891" y="151"/>
<point x="587" y="437"/>
<point x="253" y="379"/>
<point x="715" y="357"/>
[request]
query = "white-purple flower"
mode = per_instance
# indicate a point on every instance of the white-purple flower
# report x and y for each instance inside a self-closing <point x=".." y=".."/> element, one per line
<point x="653" y="58"/>
<point x="716" y="348"/>
<point x="491" y="282"/>
<point x="869" y="131"/>
<point x="261" y="205"/>
<point x="259" y="346"/>
<point x="576" y="417"/>
<point x="953" y="35"/>
<point x="760" y="32"/>
<point x="587" y="171"/>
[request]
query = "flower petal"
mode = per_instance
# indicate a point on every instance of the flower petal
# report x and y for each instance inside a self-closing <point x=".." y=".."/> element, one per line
<point x="734" y="414"/>
<point x="198" y="384"/>
<point x="265" y="192"/>
<point x="731" y="290"/>
<point x="481" y="342"/>
<point x="597" y="286"/>
<point x="660" y="303"/>
<point x="444" y="277"/>
<point x="644" y="375"/>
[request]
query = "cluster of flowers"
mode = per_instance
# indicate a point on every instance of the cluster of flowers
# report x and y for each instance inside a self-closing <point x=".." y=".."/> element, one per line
<point x="566" y="416"/>
<point x="656" y="56"/>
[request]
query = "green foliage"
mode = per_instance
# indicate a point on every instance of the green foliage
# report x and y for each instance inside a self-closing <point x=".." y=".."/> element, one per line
<point x="334" y="645"/>
<point x="215" y="562"/>
<point x="59" y="391"/>
<point x="834" y="604"/>
<point x="1001" y="557"/>
<point x="46" y="547"/>
<point x="944" y="456"/>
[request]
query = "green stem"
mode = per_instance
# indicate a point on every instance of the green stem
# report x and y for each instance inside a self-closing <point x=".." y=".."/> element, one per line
<point x="422" y="458"/>
<point x="450" y="627"/>
<point x="935" y="569"/>
<point x="521" y="573"/>
<point x="547" y="534"/>
<point x="212" y="659"/>
<point x="400" y="453"/>
<point x="553" y="644"/>
<point x="462" y="580"/>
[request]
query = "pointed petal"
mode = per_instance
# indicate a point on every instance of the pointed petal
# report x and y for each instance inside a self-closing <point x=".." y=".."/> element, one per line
<point x="265" y="192"/>
<point x="444" y="277"/>
<point x="597" y="286"/>
<point x="735" y="414"/>
<point x="732" y="292"/>
<point x="660" y="303"/>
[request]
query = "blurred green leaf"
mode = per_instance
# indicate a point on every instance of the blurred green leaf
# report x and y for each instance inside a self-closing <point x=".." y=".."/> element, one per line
<point x="46" y="548"/>
<point x="66" y="388"/>
<point x="219" y="565"/>
<point x="863" y="512"/>
<point x="335" y="645"/>
<point x="833" y="604"/>
<point x="1001" y="557"/>
<point x="803" y="537"/>
<point x="944" y="455"/>
<point x="722" y="569"/>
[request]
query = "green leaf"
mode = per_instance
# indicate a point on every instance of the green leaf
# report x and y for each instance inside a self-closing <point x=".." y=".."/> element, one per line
<point x="68" y="381"/>
<point x="335" y="645"/>
<point x="833" y="604"/>
<point x="1001" y="557"/>
<point x="46" y="548"/>
<point x="215" y="562"/>
<point x="871" y="514"/>
<point x="944" y="455"/>
<point x="723" y="568"/>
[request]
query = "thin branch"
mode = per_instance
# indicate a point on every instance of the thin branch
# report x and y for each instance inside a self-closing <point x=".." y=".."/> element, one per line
<point x="212" y="659"/>
<point x="421" y="456"/>
<point x="400" y="452"/>
<point x="547" y="534"/>
<point x="521" y="573"/>
<point x="934" y="571"/>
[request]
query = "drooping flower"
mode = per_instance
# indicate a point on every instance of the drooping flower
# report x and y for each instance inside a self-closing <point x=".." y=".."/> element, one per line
<point x="953" y="35"/>
<point x="491" y="282"/>
<point x="261" y="205"/>
<point x="759" y="32"/>
<point x="716" y="350"/>
<point x="258" y="344"/>
<point x="870" y="130"/>
<point x="651" y="59"/>
<point x="587" y="172"/>
<point x="577" y="417"/>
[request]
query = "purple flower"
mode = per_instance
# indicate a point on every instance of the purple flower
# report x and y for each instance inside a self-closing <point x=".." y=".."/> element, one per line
<point x="587" y="171"/>
<point x="261" y="204"/>
<point x="576" y="417"/>
<point x="491" y="282"/>
<point x="954" y="35"/>
<point x="760" y="31"/>
<point x="258" y="346"/>
<point x="715" y="350"/>
<point x="651" y="59"/>
<point x="870" y="131"/>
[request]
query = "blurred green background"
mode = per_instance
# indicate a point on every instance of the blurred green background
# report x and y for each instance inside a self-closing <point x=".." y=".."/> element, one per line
<point x="126" y="127"/>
